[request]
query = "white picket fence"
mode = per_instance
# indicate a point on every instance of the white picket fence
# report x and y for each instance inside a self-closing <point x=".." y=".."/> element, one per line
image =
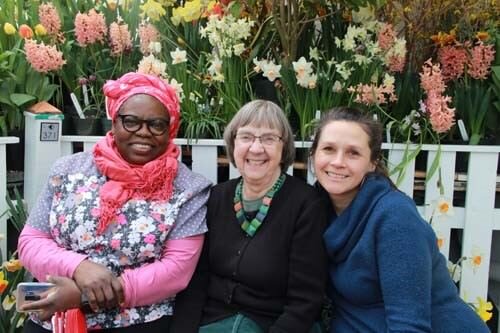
<point x="476" y="188"/>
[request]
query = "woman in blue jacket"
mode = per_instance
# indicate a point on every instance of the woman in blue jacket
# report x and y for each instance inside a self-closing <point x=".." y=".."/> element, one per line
<point x="386" y="271"/>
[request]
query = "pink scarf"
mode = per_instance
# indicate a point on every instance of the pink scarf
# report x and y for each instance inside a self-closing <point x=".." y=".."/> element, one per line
<point x="151" y="181"/>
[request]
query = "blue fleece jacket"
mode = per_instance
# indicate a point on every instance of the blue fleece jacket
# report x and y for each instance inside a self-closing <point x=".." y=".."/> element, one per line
<point x="386" y="271"/>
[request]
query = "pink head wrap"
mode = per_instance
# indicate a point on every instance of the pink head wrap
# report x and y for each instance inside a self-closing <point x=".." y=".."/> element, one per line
<point x="151" y="181"/>
<point x="118" y="91"/>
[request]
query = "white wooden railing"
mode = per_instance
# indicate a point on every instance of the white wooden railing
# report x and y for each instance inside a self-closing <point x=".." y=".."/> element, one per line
<point x="3" y="191"/>
<point x="476" y="186"/>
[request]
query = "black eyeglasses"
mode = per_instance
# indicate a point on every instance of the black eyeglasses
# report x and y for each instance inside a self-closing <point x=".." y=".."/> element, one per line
<point x="132" y="124"/>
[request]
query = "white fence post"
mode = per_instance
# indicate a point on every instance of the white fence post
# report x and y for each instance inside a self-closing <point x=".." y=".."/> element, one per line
<point x="42" y="148"/>
<point x="478" y="228"/>
<point x="3" y="192"/>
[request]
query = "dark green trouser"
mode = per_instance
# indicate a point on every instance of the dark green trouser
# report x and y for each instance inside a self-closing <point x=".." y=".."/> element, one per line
<point x="240" y="324"/>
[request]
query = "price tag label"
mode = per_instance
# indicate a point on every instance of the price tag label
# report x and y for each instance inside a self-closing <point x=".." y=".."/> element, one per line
<point x="49" y="131"/>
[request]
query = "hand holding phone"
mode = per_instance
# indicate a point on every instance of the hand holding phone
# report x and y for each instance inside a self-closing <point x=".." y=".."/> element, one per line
<point x="28" y="292"/>
<point x="63" y="294"/>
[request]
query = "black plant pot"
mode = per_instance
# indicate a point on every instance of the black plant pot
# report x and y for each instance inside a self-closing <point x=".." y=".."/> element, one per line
<point x="105" y="125"/>
<point x="87" y="126"/>
<point x="67" y="126"/>
<point x="264" y="89"/>
<point x="15" y="152"/>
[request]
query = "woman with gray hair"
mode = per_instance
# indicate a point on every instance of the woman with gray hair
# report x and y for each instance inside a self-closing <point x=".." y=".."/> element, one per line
<point x="263" y="265"/>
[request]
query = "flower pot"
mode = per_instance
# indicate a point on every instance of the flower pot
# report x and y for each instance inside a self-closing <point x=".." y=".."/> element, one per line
<point x="15" y="152"/>
<point x="264" y="89"/>
<point x="67" y="126"/>
<point x="87" y="126"/>
<point x="106" y="125"/>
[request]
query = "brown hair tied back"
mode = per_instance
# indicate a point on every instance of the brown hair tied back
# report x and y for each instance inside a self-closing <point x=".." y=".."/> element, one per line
<point x="371" y="127"/>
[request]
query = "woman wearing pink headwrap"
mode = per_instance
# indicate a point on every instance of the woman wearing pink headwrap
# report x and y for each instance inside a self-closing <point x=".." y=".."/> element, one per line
<point x="120" y="227"/>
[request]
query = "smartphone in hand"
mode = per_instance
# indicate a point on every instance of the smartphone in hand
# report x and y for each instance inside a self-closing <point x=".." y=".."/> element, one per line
<point x="31" y="291"/>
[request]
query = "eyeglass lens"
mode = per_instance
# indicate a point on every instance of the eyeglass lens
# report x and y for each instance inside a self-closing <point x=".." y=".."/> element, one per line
<point x="157" y="126"/>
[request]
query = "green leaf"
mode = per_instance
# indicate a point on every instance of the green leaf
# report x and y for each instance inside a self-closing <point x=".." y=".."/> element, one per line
<point x="21" y="99"/>
<point x="434" y="166"/>
<point x="475" y="138"/>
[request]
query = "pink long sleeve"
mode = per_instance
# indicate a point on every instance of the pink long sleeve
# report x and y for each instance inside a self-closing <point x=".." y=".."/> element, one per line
<point x="41" y="255"/>
<point x="166" y="277"/>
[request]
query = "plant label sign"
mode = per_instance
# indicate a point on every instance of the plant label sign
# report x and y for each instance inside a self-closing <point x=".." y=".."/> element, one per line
<point x="49" y="131"/>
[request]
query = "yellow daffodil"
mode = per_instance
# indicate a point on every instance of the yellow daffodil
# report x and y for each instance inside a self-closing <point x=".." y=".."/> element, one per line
<point x="181" y="42"/>
<point x="364" y="14"/>
<point x="13" y="265"/>
<point x="9" y="29"/>
<point x="40" y="30"/>
<point x="167" y="3"/>
<point x="484" y="309"/>
<point x="482" y="35"/>
<point x="191" y="11"/>
<point x="112" y="4"/>
<point x="153" y="9"/>
<point x="443" y="39"/>
<point x="3" y="283"/>
<point x="8" y="302"/>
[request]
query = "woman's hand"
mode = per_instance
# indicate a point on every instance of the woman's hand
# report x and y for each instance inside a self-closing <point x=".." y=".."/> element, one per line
<point x="100" y="286"/>
<point x="63" y="296"/>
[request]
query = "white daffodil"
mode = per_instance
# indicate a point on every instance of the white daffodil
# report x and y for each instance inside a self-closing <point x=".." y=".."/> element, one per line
<point x="455" y="271"/>
<point x="238" y="49"/>
<point x="151" y="65"/>
<point x="344" y="70"/>
<point x="443" y="207"/>
<point x="178" y="89"/>
<point x="476" y="258"/>
<point x="302" y="68"/>
<point x="314" y="53"/>
<point x="337" y="86"/>
<point x="178" y="56"/>
<point x="271" y="71"/>
<point x="259" y="64"/>
<point x="154" y="47"/>
<point x="8" y="302"/>
<point x="389" y="80"/>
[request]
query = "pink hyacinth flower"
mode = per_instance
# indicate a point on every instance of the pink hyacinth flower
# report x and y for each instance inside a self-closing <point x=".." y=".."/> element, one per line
<point x="43" y="58"/>
<point x="90" y="28"/>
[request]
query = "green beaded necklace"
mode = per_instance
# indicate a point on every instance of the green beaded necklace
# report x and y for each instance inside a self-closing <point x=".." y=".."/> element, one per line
<point x="251" y="227"/>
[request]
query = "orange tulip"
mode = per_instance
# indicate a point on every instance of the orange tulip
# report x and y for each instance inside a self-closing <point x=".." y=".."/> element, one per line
<point x="3" y="283"/>
<point x="25" y="31"/>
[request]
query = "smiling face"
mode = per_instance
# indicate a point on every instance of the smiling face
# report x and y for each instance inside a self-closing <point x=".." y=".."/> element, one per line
<point x="341" y="160"/>
<point x="257" y="163"/>
<point x="140" y="147"/>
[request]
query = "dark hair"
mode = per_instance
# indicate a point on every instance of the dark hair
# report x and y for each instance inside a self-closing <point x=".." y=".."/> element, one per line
<point x="262" y="113"/>
<point x="371" y="127"/>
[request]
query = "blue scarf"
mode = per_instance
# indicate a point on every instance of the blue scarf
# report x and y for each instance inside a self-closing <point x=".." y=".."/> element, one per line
<point x="345" y="230"/>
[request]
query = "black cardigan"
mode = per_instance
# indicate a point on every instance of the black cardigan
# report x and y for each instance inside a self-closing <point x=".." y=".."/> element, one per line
<point x="277" y="277"/>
